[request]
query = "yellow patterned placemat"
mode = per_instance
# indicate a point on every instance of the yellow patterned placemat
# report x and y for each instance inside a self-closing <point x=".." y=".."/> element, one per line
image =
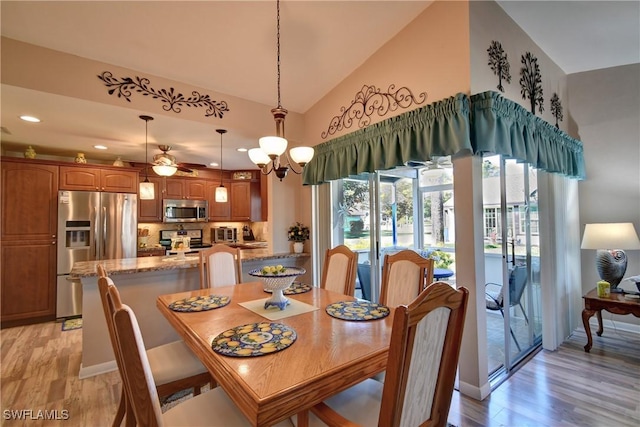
<point x="200" y="303"/>
<point x="274" y="313"/>
<point x="357" y="310"/>
<point x="254" y="339"/>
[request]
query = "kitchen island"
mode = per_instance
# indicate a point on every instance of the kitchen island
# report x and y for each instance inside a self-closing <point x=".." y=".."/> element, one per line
<point x="140" y="281"/>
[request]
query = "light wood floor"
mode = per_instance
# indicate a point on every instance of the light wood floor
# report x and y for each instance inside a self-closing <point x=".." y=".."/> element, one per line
<point x="40" y="364"/>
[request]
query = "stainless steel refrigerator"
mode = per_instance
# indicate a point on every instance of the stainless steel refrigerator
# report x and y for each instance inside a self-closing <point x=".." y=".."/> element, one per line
<point x="91" y="226"/>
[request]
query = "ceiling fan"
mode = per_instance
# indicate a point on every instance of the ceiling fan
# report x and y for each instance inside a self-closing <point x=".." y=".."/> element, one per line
<point x="166" y="159"/>
<point x="436" y="162"/>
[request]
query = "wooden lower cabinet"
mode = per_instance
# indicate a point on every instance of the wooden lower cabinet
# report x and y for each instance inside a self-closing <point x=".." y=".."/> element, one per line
<point x="28" y="292"/>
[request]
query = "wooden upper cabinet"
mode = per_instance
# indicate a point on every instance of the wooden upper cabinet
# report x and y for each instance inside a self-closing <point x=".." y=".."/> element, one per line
<point x="29" y="201"/>
<point x="246" y="204"/>
<point x="97" y="179"/>
<point x="185" y="188"/>
<point x="151" y="210"/>
<point x="217" y="211"/>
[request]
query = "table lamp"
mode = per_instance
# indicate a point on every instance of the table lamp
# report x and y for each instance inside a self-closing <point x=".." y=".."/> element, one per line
<point x="611" y="263"/>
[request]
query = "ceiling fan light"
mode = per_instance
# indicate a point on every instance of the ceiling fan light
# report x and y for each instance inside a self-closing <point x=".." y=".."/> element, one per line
<point x="221" y="194"/>
<point x="273" y="145"/>
<point x="301" y="155"/>
<point x="164" y="170"/>
<point x="147" y="191"/>
<point x="259" y="157"/>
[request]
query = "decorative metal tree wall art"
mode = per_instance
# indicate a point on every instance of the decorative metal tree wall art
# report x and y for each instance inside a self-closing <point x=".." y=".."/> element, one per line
<point x="531" y="82"/>
<point x="556" y="109"/>
<point x="172" y="100"/>
<point x="370" y="100"/>
<point x="499" y="64"/>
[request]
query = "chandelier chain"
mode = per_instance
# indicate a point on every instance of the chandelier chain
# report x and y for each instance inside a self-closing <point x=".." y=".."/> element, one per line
<point x="278" y="48"/>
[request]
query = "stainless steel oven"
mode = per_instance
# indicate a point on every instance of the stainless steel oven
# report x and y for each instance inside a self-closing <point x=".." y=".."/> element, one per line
<point x="185" y="210"/>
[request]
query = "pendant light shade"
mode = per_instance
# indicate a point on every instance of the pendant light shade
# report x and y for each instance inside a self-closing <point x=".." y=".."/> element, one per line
<point x="164" y="170"/>
<point x="147" y="189"/>
<point x="272" y="154"/>
<point x="221" y="191"/>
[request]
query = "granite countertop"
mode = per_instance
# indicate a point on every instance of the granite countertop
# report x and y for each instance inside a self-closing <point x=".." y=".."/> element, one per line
<point x="139" y="265"/>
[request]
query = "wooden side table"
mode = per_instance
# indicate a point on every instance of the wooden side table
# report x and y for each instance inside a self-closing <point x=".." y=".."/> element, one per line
<point x="615" y="303"/>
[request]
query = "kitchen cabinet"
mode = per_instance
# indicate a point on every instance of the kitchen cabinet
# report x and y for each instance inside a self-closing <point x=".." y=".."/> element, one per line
<point x="217" y="211"/>
<point x="241" y="201"/>
<point x="151" y="210"/>
<point x="28" y="249"/>
<point x="185" y="188"/>
<point x="151" y="251"/>
<point x="91" y="178"/>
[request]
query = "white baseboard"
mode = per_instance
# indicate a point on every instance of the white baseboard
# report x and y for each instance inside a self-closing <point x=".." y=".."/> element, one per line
<point x="613" y="324"/>
<point x="94" y="370"/>
<point x="477" y="393"/>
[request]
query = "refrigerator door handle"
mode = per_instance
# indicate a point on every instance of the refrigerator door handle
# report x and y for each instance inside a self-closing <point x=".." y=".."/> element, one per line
<point x="96" y="229"/>
<point x="104" y="232"/>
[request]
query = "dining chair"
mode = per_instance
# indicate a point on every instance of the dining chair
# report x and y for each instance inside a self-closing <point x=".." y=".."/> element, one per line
<point x="220" y="265"/>
<point x="213" y="408"/>
<point x="339" y="270"/>
<point x="404" y="275"/>
<point x="173" y="366"/>
<point x="517" y="284"/>
<point x="421" y="368"/>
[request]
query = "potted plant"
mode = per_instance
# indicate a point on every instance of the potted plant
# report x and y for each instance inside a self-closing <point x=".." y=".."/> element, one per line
<point x="298" y="233"/>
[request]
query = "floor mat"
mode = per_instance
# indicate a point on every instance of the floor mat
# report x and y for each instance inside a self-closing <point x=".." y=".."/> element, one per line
<point x="71" y="324"/>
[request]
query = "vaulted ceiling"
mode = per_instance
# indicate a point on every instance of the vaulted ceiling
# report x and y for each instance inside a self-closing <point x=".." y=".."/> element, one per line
<point x="229" y="47"/>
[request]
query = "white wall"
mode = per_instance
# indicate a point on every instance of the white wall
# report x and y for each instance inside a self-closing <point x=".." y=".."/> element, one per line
<point x="605" y="110"/>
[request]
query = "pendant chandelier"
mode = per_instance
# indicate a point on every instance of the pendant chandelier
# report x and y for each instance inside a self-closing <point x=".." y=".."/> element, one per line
<point x="272" y="156"/>
<point x="147" y="189"/>
<point x="221" y="191"/>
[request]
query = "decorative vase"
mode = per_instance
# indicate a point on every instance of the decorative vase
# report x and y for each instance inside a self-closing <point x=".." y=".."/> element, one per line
<point x="298" y="247"/>
<point x="80" y="158"/>
<point x="118" y="162"/>
<point x="30" y="153"/>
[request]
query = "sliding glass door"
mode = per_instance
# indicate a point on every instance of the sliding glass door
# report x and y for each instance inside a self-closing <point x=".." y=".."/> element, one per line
<point x="512" y="262"/>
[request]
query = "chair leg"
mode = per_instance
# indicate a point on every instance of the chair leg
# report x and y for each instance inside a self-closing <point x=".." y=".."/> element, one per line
<point x="524" y="313"/>
<point x="511" y="330"/>
<point x="122" y="405"/>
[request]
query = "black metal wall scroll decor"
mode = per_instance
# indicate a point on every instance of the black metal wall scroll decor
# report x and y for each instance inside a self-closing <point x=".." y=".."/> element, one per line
<point x="556" y="109"/>
<point x="173" y="101"/>
<point x="499" y="64"/>
<point x="370" y="100"/>
<point x="531" y="82"/>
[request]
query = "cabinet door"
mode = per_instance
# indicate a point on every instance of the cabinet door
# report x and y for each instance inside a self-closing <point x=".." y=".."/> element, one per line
<point x="115" y="181"/>
<point x="240" y="195"/>
<point x="79" y="178"/>
<point x="217" y="211"/>
<point x="195" y="189"/>
<point x="151" y="210"/>
<point x="174" y="188"/>
<point x="28" y="292"/>
<point x="29" y="202"/>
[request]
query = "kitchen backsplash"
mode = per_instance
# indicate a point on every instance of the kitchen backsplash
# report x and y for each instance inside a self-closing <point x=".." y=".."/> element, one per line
<point x="259" y="230"/>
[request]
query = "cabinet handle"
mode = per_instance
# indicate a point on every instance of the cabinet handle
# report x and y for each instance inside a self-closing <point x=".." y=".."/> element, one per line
<point x="53" y="243"/>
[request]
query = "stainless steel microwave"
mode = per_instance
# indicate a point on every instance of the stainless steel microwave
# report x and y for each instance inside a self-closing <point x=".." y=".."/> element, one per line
<point x="185" y="210"/>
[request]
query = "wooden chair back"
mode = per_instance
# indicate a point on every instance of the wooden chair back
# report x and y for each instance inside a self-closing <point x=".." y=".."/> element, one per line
<point x="136" y="370"/>
<point x="404" y="275"/>
<point x="423" y="358"/>
<point x="104" y="284"/>
<point x="339" y="270"/>
<point x="220" y="265"/>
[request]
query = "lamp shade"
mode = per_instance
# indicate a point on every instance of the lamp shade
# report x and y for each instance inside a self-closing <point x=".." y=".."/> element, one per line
<point x="273" y="145"/>
<point x="147" y="191"/>
<point x="621" y="235"/>
<point x="164" y="170"/>
<point x="221" y="194"/>
<point x="258" y="157"/>
<point x="301" y="155"/>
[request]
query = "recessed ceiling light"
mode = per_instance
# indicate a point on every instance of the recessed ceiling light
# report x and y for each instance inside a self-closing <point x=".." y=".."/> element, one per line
<point x="30" y="119"/>
<point x="214" y="164"/>
<point x="242" y="150"/>
<point x="100" y="147"/>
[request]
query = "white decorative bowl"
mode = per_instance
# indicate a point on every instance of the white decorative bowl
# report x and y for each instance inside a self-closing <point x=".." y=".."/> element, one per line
<point x="276" y="283"/>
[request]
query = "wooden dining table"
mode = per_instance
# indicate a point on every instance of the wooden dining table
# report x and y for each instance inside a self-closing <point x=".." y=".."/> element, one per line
<point x="328" y="356"/>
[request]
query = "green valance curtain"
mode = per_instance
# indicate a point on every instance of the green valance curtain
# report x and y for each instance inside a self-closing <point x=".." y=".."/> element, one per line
<point x="501" y="126"/>
<point x="437" y="129"/>
<point x="482" y="123"/>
